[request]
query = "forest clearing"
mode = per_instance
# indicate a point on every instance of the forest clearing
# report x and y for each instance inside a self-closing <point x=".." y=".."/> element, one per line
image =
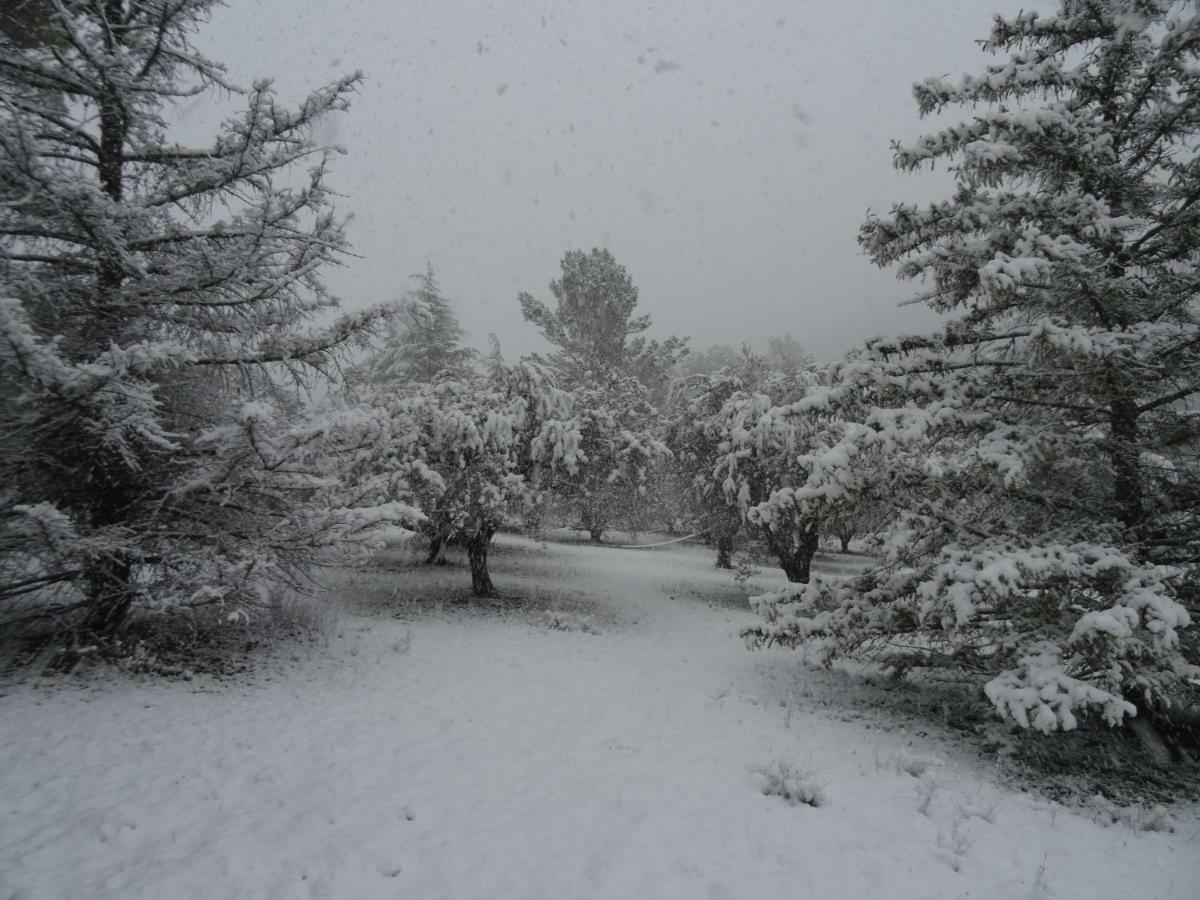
<point x="605" y="736"/>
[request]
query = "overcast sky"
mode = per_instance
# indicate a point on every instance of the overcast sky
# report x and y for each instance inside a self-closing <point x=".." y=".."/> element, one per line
<point x="725" y="152"/>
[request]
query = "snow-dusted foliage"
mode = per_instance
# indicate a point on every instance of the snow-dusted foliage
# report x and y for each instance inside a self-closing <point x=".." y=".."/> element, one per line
<point x="594" y="328"/>
<point x="777" y="464"/>
<point x="615" y="375"/>
<point x="745" y="443"/>
<point x="424" y="342"/>
<point x="694" y="435"/>
<point x="475" y="449"/>
<point x="1042" y="447"/>
<point x="618" y="454"/>
<point x="158" y="317"/>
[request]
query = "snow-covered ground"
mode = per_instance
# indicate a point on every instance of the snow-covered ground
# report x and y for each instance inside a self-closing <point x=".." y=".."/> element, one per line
<point x="605" y="740"/>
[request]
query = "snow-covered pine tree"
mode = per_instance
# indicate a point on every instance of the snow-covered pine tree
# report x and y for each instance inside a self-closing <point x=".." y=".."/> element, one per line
<point x="158" y="313"/>
<point x="1049" y="531"/>
<point x="426" y="341"/>
<point x="594" y="328"/>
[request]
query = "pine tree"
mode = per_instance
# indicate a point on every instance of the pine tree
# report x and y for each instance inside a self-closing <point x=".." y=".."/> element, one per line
<point x="594" y="326"/>
<point x="427" y="342"/>
<point x="155" y="320"/>
<point x="1042" y="448"/>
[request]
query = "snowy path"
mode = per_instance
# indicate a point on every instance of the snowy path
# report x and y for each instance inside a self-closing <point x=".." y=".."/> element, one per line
<point x="498" y="758"/>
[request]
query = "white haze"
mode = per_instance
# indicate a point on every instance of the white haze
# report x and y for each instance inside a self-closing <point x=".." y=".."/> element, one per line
<point x="725" y="152"/>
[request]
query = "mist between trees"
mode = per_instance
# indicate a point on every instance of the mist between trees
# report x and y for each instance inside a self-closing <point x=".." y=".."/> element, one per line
<point x="186" y="420"/>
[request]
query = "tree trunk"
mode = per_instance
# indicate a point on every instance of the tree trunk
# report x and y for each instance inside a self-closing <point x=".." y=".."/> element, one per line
<point x="845" y="539"/>
<point x="724" y="552"/>
<point x="110" y="592"/>
<point x="796" y="568"/>
<point x="110" y="598"/>
<point x="595" y="532"/>
<point x="477" y="553"/>
<point x="796" y="561"/>
<point x="1127" y="480"/>
<point x="437" y="552"/>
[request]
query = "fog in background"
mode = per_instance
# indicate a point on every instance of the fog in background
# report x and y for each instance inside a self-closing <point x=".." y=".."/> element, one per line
<point x="725" y="152"/>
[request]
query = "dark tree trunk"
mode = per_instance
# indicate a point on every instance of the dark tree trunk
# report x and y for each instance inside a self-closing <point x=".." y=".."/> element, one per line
<point x="845" y="539"/>
<point x="595" y="532"/>
<point x="110" y="597"/>
<point x="724" y="552"/>
<point x="477" y="553"/>
<point x="437" y="552"/>
<point x="1127" y="480"/>
<point x="796" y="561"/>
<point x="114" y="490"/>
<point x="796" y="568"/>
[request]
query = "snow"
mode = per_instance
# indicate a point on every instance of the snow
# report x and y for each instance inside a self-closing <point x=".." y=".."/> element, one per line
<point x="445" y="750"/>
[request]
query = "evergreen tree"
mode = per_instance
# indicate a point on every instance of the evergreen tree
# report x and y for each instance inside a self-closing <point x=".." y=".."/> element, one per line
<point x="149" y="347"/>
<point x="594" y="327"/>
<point x="1049" y="520"/>
<point x="426" y="342"/>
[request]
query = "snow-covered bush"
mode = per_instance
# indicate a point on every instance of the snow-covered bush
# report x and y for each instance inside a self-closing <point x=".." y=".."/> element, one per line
<point x="1139" y="817"/>
<point x="565" y="620"/>
<point x="1040" y="449"/>
<point x="743" y="441"/>
<point x="916" y="764"/>
<point x="792" y="784"/>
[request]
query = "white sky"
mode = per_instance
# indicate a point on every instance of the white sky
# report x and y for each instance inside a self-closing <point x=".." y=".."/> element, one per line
<point x="725" y="151"/>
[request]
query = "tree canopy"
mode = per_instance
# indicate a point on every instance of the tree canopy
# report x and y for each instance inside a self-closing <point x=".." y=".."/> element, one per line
<point x="593" y="325"/>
